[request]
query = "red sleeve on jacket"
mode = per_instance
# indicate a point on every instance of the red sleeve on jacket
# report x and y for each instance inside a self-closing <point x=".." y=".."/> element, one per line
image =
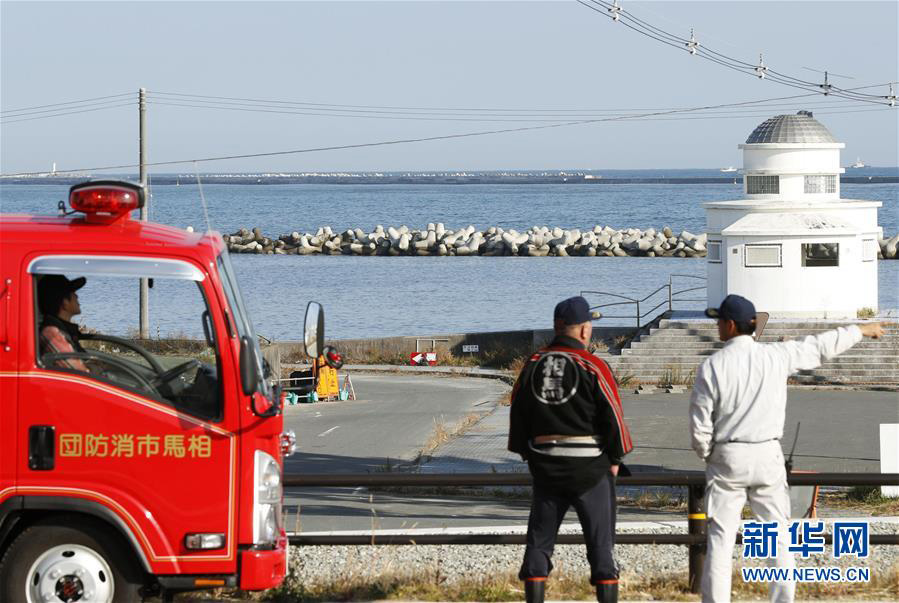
<point x="54" y="341"/>
<point x="609" y="389"/>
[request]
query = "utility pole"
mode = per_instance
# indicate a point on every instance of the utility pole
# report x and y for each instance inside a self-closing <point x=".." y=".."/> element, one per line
<point x="144" y="211"/>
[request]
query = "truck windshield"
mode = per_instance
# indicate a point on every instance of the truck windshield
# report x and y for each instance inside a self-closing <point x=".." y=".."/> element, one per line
<point x="239" y="312"/>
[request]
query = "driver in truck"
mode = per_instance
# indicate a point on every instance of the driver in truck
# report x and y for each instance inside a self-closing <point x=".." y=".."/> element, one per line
<point x="58" y="303"/>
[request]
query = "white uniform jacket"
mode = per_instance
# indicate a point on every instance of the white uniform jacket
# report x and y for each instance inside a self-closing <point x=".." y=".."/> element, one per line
<point x="740" y="393"/>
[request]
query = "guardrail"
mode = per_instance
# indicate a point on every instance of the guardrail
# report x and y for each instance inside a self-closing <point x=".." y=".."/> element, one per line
<point x="694" y="481"/>
<point x="672" y="297"/>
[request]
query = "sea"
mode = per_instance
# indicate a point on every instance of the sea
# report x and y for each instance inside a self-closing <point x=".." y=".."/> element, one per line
<point x="368" y="297"/>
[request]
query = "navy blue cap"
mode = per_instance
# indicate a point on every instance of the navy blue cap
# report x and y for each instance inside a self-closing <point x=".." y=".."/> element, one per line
<point x="574" y="311"/>
<point x="735" y="308"/>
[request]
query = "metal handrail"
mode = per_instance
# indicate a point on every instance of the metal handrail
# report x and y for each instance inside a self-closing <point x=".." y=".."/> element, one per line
<point x="695" y="482"/>
<point x="293" y="388"/>
<point x="672" y="297"/>
<point x="672" y="293"/>
<point x="670" y="478"/>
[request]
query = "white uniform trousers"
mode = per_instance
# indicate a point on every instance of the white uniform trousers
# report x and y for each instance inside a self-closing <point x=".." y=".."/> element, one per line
<point x="733" y="472"/>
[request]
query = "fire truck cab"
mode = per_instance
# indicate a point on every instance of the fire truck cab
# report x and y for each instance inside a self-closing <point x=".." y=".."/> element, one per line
<point x="130" y="467"/>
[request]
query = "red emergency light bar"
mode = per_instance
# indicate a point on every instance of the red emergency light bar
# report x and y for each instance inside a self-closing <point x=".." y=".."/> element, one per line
<point x="106" y="200"/>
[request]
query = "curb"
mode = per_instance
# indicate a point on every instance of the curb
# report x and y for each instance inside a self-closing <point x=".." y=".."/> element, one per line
<point x="509" y="378"/>
<point x="458" y="371"/>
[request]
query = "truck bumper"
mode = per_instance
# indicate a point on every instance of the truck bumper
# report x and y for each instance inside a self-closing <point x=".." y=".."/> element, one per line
<point x="260" y="570"/>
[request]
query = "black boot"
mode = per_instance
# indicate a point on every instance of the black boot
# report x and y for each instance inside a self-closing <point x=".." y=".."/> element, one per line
<point x="534" y="590"/>
<point x="608" y="592"/>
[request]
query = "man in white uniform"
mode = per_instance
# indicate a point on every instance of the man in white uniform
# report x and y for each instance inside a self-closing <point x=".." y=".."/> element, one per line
<point x="736" y="421"/>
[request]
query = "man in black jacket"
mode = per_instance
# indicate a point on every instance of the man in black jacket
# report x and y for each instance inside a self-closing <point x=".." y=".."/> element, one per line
<point x="567" y="423"/>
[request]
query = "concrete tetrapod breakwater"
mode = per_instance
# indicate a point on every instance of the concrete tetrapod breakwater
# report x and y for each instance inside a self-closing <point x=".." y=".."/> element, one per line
<point x="538" y="241"/>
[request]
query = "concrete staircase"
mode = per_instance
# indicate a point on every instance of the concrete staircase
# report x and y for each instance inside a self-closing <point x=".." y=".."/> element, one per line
<point x="672" y="351"/>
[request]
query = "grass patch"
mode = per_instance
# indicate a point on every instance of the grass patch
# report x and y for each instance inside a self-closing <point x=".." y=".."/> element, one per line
<point x="355" y="585"/>
<point x="674" y="375"/>
<point x="866" y="313"/>
<point x="866" y="499"/>
<point x="492" y="356"/>
<point x="622" y="341"/>
<point x="625" y="380"/>
<point x="647" y="499"/>
<point x="443" y="434"/>
<point x="515" y="368"/>
<point x="883" y="586"/>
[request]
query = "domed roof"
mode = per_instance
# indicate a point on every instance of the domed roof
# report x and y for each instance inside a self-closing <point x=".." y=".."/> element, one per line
<point x="801" y="127"/>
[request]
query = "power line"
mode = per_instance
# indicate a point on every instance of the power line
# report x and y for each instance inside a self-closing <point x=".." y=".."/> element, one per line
<point x="727" y="61"/>
<point x="692" y="45"/>
<point x="86" y="100"/>
<point x="102" y="104"/>
<point x="282" y="106"/>
<point x="12" y="121"/>
<point x="755" y="111"/>
<point x="868" y="109"/>
<point x="372" y="115"/>
<point x="395" y="142"/>
<point x="307" y="105"/>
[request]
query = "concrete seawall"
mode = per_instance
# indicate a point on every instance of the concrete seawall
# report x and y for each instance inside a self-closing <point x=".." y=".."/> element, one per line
<point x="437" y="240"/>
<point x="494" y="348"/>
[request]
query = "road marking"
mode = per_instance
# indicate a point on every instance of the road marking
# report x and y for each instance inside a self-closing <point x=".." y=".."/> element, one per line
<point x="324" y="433"/>
<point x="317" y="415"/>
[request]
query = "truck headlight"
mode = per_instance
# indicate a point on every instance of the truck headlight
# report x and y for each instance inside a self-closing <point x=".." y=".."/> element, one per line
<point x="266" y="499"/>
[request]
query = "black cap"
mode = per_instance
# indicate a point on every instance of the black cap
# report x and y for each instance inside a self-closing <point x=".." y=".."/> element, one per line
<point x="735" y="308"/>
<point x="53" y="288"/>
<point x="574" y="311"/>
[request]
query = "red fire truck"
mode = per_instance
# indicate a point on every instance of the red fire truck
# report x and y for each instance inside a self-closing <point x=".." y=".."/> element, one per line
<point x="128" y="470"/>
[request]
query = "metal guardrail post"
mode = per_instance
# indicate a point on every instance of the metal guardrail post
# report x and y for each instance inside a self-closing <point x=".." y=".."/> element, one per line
<point x="638" y="314"/>
<point x="696" y="526"/>
<point x="670" y="301"/>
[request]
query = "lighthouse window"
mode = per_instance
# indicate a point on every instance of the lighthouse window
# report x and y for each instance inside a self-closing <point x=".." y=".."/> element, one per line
<point x="869" y="250"/>
<point x="820" y="254"/>
<point x="762" y="185"/>
<point x="762" y="256"/>
<point x="821" y="184"/>
<point x="713" y="253"/>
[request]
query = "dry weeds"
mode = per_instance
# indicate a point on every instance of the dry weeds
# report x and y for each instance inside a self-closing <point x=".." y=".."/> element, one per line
<point x="664" y="501"/>
<point x="866" y="499"/>
<point x="356" y="585"/>
<point x="674" y="375"/>
<point x="443" y="434"/>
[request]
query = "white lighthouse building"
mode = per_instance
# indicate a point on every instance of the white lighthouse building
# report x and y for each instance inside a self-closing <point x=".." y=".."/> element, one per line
<point x="792" y="246"/>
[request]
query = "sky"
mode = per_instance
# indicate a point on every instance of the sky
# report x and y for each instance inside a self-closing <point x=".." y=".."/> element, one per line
<point x="525" y="59"/>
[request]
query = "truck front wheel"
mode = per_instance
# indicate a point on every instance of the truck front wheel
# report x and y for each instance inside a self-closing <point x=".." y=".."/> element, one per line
<point x="67" y="560"/>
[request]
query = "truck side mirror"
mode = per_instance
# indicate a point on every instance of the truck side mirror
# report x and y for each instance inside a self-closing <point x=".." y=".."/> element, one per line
<point x="249" y="377"/>
<point x="314" y="330"/>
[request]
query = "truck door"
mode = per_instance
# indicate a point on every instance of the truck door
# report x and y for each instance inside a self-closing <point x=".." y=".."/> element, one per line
<point x="9" y="291"/>
<point x="139" y="428"/>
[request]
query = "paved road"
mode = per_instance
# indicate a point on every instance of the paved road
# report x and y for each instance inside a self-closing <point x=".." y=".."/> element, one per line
<point x="839" y="433"/>
<point x="392" y="420"/>
<point x="840" y="429"/>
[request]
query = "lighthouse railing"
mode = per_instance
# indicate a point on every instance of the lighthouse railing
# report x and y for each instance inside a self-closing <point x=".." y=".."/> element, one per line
<point x="639" y="305"/>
